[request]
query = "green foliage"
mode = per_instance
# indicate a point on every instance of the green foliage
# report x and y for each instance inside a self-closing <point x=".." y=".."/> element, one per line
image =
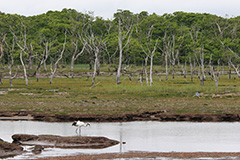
<point x="51" y="26"/>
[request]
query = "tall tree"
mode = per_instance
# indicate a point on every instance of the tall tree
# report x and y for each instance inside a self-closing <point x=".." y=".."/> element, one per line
<point x="124" y="19"/>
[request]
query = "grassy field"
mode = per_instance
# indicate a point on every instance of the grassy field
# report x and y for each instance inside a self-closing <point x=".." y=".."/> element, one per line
<point x="75" y="95"/>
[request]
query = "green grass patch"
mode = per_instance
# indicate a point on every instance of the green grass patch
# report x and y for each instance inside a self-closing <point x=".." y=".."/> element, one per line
<point x="75" y="95"/>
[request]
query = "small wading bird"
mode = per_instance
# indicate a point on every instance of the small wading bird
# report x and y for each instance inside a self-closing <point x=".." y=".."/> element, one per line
<point x="79" y="124"/>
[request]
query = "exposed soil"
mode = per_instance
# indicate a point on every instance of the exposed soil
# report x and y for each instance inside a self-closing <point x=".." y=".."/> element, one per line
<point x="161" y="115"/>
<point x="146" y="155"/>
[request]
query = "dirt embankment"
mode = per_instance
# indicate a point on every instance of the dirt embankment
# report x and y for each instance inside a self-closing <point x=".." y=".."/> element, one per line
<point x="161" y="115"/>
<point x="9" y="149"/>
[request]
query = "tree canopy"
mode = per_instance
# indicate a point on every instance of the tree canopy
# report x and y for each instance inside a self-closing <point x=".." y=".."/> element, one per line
<point x="221" y="36"/>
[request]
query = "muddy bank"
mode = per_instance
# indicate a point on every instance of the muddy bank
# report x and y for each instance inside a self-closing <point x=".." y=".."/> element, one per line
<point x="147" y="155"/>
<point x="9" y="149"/>
<point x="43" y="141"/>
<point x="161" y="115"/>
<point x="64" y="142"/>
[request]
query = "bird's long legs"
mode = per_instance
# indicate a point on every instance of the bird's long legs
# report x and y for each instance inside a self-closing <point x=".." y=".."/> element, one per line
<point x="78" y="131"/>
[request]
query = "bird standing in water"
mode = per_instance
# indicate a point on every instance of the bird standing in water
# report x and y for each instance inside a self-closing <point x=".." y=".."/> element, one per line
<point x="79" y="124"/>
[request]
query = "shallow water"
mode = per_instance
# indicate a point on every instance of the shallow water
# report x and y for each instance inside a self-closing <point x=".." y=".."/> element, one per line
<point x="139" y="136"/>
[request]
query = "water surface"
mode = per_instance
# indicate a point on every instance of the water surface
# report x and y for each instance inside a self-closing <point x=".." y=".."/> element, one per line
<point x="139" y="136"/>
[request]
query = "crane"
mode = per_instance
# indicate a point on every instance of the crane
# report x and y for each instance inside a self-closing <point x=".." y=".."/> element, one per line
<point x="79" y="124"/>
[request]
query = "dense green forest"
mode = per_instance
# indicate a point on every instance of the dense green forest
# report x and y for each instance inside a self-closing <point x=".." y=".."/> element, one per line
<point x="69" y="37"/>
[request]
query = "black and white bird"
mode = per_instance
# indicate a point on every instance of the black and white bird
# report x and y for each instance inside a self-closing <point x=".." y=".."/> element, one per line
<point x="79" y="124"/>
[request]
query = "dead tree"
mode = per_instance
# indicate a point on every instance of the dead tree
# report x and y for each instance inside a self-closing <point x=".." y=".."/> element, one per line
<point x="44" y="57"/>
<point x="57" y="61"/>
<point x="166" y="52"/>
<point x="174" y="50"/>
<point x="191" y="68"/>
<point x="11" y="63"/>
<point x="21" y="42"/>
<point x="194" y="33"/>
<point x="234" y="55"/>
<point x="11" y="77"/>
<point x="149" y="49"/>
<point x="2" y="53"/>
<point x="146" y="64"/>
<point x="215" y="77"/>
<point x="202" y="61"/>
<point x="199" y="54"/>
<point x="76" y="38"/>
<point x="124" y="33"/>
<point x="77" y="52"/>
<point x="95" y="45"/>
<point x="220" y="34"/>
<point x="171" y="54"/>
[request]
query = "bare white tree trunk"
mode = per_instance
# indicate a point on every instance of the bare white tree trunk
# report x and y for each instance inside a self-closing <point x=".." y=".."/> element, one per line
<point x="2" y="53"/>
<point x="173" y="59"/>
<point x="120" y="52"/>
<point x="95" y="67"/>
<point x="173" y="69"/>
<point x="166" y="65"/>
<point x="24" y="68"/>
<point x="141" y="78"/>
<point x="11" y="63"/>
<point x="229" y="69"/>
<point x="215" y="77"/>
<point x="30" y="57"/>
<point x="191" y="68"/>
<point x="146" y="72"/>
<point x="23" y="65"/>
<point x="236" y="68"/>
<point x="151" y="68"/>
<point x="98" y="63"/>
<point x="121" y="37"/>
<point x="72" y="63"/>
<point x="185" y="69"/>
<point x="10" y="75"/>
<point x="11" y="66"/>
<point x="45" y="66"/>
<point x="201" y="67"/>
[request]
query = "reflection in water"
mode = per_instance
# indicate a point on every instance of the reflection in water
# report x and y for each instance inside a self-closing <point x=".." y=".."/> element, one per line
<point x="139" y="136"/>
<point x="121" y="141"/>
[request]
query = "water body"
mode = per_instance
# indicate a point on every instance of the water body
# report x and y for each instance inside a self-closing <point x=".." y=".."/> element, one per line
<point x="139" y="136"/>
